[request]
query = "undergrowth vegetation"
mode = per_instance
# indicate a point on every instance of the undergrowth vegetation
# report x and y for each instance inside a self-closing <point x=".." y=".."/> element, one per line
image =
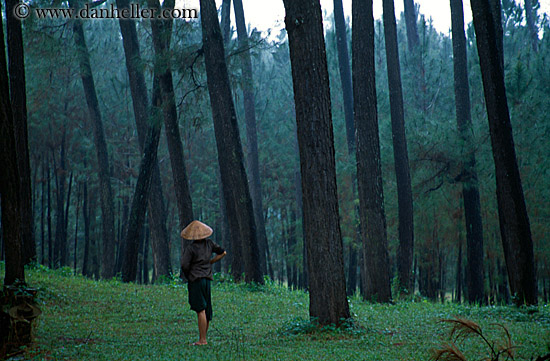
<point x="84" y="319"/>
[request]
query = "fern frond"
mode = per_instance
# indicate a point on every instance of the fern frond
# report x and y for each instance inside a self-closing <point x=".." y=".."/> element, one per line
<point x="462" y="328"/>
<point x="506" y="348"/>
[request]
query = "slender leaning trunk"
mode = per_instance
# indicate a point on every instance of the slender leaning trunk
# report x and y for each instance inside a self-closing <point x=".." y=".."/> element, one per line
<point x="162" y="33"/>
<point x="142" y="113"/>
<point x="405" y="251"/>
<point x="105" y="191"/>
<point x="230" y="155"/>
<point x="376" y="273"/>
<point x="251" y="134"/>
<point x="515" y="229"/>
<point x="9" y="180"/>
<point x="16" y="67"/>
<point x="470" y="187"/>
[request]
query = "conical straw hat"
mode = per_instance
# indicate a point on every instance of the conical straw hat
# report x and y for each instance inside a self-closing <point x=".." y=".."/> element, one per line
<point x="196" y="230"/>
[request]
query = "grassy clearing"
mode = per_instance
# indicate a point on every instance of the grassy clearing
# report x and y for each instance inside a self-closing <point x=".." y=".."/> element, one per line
<point x="90" y="320"/>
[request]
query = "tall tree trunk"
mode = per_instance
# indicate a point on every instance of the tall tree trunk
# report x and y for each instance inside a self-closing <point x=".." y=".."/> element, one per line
<point x="230" y="155"/>
<point x="143" y="184"/>
<point x="496" y="11"/>
<point x="86" y="217"/>
<point x="10" y="184"/>
<point x="76" y="230"/>
<point x="533" y="31"/>
<point x="410" y="22"/>
<point x="138" y="89"/>
<point x="106" y="194"/>
<point x="405" y="250"/>
<point x="64" y="249"/>
<point x="145" y="267"/>
<point x="345" y="74"/>
<point x="470" y="187"/>
<point x="323" y="239"/>
<point x="16" y="63"/>
<point x="162" y="33"/>
<point x="347" y="94"/>
<point x="458" y="282"/>
<point x="351" y="285"/>
<point x="415" y="53"/>
<point x="369" y="169"/>
<point x="515" y="229"/>
<point x="292" y="246"/>
<point x="226" y="21"/>
<point x="251" y="135"/>
<point x="300" y="215"/>
<point x="233" y="256"/>
<point x="42" y="223"/>
<point x="124" y="229"/>
<point x="94" y="246"/>
<point x="60" y="230"/>
<point x="49" y="217"/>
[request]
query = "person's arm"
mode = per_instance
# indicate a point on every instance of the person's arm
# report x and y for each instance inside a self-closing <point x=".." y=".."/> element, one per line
<point x="186" y="262"/>
<point x="218" y="257"/>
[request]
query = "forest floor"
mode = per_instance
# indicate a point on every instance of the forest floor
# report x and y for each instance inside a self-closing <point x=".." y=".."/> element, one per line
<point x="84" y="319"/>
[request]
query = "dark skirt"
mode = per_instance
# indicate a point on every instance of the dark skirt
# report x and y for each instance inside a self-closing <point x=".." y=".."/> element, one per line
<point x="199" y="296"/>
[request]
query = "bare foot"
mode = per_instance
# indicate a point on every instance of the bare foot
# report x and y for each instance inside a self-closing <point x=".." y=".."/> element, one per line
<point x="199" y="343"/>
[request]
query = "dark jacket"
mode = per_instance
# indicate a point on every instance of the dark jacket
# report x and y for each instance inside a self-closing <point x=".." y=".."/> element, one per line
<point x="196" y="258"/>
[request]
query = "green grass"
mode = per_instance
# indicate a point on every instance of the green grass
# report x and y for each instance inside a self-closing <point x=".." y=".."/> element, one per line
<point x="98" y="320"/>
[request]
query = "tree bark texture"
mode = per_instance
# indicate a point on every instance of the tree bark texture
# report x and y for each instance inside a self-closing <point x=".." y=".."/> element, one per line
<point x="515" y="229"/>
<point x="60" y="241"/>
<point x="76" y="230"/>
<point x="42" y="216"/>
<point x="226" y="21"/>
<point x="410" y="21"/>
<point x="458" y="281"/>
<point x="251" y="134"/>
<point x="369" y="169"/>
<point x="105" y="191"/>
<point x="86" y="218"/>
<point x="10" y="192"/>
<point x="16" y="67"/>
<point x="300" y="215"/>
<point x="138" y="89"/>
<point x="327" y="285"/>
<point x="233" y="256"/>
<point x="49" y="217"/>
<point x="405" y="250"/>
<point x="496" y="11"/>
<point x="64" y="250"/>
<point x="470" y="187"/>
<point x="230" y="154"/>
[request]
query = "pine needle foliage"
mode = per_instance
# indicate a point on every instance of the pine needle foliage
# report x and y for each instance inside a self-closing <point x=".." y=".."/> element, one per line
<point x="462" y="329"/>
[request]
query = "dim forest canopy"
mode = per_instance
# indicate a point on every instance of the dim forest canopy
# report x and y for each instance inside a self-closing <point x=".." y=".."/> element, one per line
<point x="379" y="188"/>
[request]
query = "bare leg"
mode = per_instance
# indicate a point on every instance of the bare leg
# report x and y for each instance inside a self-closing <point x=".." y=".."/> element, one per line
<point x="203" y="327"/>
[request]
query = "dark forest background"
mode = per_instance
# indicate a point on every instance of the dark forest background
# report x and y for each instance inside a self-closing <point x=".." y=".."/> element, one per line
<point x="66" y="185"/>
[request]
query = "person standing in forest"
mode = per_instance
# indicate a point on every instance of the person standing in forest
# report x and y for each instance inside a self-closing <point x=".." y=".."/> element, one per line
<point x="196" y="265"/>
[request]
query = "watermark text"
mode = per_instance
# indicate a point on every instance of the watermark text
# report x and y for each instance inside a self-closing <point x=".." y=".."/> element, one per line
<point x="135" y="11"/>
